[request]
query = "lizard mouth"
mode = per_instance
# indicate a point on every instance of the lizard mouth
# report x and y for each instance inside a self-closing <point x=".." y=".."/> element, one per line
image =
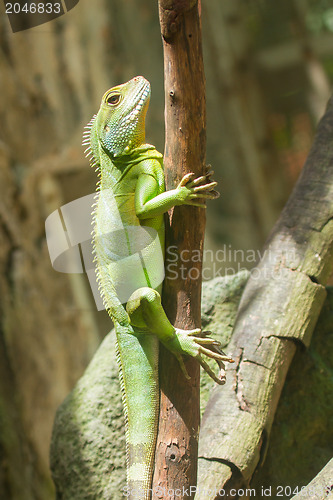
<point x="141" y="99"/>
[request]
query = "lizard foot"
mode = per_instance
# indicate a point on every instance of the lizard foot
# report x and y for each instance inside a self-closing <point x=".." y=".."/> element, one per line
<point x="197" y="344"/>
<point x="193" y="191"/>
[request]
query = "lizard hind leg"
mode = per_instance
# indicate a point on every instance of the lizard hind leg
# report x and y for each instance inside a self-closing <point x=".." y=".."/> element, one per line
<point x="146" y="313"/>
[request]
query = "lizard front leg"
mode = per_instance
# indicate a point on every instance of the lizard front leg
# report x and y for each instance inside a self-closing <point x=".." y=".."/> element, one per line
<point x="190" y="191"/>
<point x="146" y="313"/>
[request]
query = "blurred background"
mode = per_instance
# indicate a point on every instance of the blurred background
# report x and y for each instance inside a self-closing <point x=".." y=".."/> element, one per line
<point x="268" y="68"/>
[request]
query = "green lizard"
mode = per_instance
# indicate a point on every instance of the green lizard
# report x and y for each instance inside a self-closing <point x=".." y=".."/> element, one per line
<point x="128" y="239"/>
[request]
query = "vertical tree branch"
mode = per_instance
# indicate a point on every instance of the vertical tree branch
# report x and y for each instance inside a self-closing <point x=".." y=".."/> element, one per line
<point x="177" y="445"/>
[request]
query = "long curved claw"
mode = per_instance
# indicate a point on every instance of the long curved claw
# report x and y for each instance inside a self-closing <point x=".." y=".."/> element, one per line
<point x="213" y="351"/>
<point x="197" y="181"/>
<point x="196" y="332"/>
<point x="221" y="379"/>
<point x="203" y="178"/>
<point x="218" y="350"/>
<point x="205" y="333"/>
<point x="182" y="366"/>
<point x="218" y="379"/>
<point x="214" y="355"/>
<point x="210" y="174"/>
<point x="198" y="344"/>
<point x="204" y="190"/>
<point x="205" y="341"/>
<point x="205" y="187"/>
<point x="187" y="178"/>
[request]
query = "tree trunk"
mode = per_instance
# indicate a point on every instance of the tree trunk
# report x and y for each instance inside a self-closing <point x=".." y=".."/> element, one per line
<point x="177" y="443"/>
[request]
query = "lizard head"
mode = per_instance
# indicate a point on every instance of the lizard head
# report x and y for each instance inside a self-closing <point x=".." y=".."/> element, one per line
<point x="119" y="125"/>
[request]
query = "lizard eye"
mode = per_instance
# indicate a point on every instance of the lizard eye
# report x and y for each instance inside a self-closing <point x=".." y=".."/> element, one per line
<point x="113" y="99"/>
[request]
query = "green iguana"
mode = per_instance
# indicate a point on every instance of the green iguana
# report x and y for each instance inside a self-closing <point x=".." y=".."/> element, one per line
<point x="128" y="240"/>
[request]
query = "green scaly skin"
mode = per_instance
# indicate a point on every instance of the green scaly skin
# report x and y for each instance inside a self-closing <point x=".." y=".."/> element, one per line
<point x="130" y="206"/>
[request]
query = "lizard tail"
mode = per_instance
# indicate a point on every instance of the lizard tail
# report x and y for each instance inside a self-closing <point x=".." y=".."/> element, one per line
<point x="137" y="357"/>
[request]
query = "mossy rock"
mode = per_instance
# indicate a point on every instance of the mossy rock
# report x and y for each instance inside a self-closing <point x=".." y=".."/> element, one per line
<point x="88" y="442"/>
<point x="88" y="445"/>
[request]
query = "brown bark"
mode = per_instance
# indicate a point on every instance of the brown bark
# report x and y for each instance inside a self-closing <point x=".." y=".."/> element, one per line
<point x="176" y="455"/>
<point x="278" y="311"/>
